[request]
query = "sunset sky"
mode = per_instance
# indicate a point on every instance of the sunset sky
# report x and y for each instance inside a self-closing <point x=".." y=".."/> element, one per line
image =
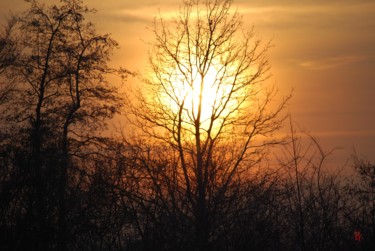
<point x="323" y="49"/>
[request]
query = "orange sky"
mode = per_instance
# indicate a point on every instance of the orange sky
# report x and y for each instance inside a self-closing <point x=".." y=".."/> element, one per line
<point x="324" y="50"/>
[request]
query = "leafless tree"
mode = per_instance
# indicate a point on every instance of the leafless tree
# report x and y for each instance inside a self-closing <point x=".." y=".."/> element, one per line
<point x="8" y="53"/>
<point x="60" y="98"/>
<point x="314" y="195"/>
<point x="360" y="211"/>
<point x="205" y="106"/>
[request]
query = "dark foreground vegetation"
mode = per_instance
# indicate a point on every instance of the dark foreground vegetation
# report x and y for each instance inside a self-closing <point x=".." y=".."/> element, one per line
<point x="177" y="182"/>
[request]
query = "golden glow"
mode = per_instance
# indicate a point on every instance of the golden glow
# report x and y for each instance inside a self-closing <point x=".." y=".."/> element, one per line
<point x="201" y="97"/>
<point x="212" y="94"/>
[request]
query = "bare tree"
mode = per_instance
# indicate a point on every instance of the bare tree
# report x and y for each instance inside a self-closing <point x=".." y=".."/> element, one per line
<point x="314" y="195"/>
<point x="60" y="98"/>
<point x="8" y="53"/>
<point x="361" y="209"/>
<point x="204" y="103"/>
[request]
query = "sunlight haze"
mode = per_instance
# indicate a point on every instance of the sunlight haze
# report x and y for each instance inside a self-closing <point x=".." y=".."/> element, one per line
<point x="323" y="50"/>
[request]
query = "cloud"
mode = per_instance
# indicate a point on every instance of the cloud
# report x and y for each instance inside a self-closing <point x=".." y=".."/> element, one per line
<point x="129" y="17"/>
<point x="353" y="133"/>
<point x="333" y="62"/>
<point x="295" y="7"/>
<point x="309" y="14"/>
<point x="142" y="13"/>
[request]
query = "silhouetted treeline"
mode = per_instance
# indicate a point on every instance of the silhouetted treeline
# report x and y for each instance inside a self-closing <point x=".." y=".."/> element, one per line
<point x="112" y="203"/>
<point x="65" y="186"/>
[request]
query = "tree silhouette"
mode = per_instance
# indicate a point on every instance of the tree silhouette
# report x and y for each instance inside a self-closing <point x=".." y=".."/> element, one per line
<point x="59" y="98"/>
<point x="313" y="195"/>
<point x="205" y="114"/>
<point x="361" y="212"/>
<point x="8" y="53"/>
<point x="191" y="172"/>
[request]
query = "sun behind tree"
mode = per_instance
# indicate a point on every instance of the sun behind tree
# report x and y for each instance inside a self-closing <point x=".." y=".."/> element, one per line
<point x="207" y="69"/>
<point x="204" y="101"/>
<point x="208" y="95"/>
